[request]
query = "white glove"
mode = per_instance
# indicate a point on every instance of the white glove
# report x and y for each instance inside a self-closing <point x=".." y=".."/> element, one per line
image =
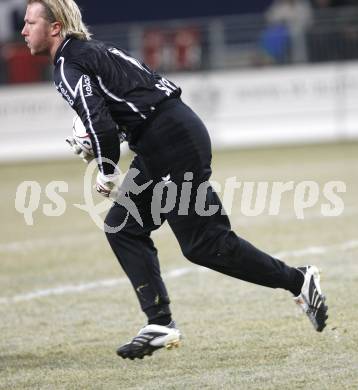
<point x="76" y="148"/>
<point x="80" y="141"/>
<point x="107" y="185"/>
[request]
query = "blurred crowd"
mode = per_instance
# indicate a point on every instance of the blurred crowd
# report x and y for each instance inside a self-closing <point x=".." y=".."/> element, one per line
<point x="293" y="34"/>
<point x="287" y="31"/>
<point x="11" y="18"/>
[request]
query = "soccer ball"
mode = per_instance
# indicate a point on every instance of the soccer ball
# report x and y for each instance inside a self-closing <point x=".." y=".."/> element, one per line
<point x="81" y="136"/>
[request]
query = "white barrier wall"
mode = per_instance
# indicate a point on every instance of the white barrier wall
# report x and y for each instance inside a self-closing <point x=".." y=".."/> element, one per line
<point x="240" y="108"/>
<point x="34" y="122"/>
<point x="277" y="105"/>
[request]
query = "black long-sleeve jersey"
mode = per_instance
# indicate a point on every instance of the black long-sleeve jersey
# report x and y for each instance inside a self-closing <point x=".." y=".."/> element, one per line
<point x="111" y="92"/>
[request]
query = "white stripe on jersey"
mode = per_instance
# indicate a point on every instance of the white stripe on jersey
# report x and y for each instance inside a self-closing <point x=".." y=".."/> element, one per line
<point x="128" y="58"/>
<point x="84" y="103"/>
<point x="116" y="98"/>
<point x="63" y="77"/>
<point x="98" y="147"/>
<point x="68" y="40"/>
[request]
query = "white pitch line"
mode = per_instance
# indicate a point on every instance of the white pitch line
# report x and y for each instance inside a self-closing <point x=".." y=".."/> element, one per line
<point x="67" y="289"/>
<point x="318" y="250"/>
<point x="173" y="274"/>
<point x="41" y="243"/>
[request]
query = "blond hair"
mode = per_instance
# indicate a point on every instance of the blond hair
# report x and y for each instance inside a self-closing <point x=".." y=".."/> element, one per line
<point x="68" y="14"/>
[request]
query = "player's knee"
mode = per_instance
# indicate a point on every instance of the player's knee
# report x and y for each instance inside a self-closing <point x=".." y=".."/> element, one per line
<point x="196" y="255"/>
<point x="209" y="250"/>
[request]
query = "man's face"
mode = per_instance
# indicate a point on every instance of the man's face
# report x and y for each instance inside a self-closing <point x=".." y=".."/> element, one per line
<point x="37" y="30"/>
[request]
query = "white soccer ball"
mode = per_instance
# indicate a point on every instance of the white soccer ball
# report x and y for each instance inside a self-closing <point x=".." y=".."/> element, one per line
<point x="81" y="136"/>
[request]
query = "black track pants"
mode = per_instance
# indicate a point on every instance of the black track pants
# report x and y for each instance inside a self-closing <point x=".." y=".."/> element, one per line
<point x="174" y="149"/>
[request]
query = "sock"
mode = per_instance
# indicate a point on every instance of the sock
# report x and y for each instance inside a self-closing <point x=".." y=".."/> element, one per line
<point x="298" y="283"/>
<point x="163" y="320"/>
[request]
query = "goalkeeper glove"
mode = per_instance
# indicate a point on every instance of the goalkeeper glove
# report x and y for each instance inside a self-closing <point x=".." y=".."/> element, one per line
<point x="80" y="141"/>
<point x="76" y="148"/>
<point x="106" y="184"/>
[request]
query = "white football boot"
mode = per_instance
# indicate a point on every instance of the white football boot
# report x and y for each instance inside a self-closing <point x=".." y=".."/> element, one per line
<point x="149" y="339"/>
<point x="311" y="299"/>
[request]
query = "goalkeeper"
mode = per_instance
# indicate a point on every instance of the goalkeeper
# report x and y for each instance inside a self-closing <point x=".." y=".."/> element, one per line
<point x="115" y="94"/>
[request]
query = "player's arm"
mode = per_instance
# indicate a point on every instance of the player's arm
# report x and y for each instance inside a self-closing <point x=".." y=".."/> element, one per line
<point x="84" y="96"/>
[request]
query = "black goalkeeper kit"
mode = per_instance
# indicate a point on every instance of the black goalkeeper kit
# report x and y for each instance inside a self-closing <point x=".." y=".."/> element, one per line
<point x="114" y="93"/>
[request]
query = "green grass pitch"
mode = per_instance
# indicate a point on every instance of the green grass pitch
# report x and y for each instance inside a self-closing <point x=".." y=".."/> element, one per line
<point x="65" y="304"/>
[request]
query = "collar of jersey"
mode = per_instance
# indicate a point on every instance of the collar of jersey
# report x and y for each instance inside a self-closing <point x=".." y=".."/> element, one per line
<point x="61" y="47"/>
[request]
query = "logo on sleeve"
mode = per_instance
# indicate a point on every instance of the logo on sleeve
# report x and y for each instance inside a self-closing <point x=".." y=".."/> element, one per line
<point x="87" y="86"/>
<point x="65" y="93"/>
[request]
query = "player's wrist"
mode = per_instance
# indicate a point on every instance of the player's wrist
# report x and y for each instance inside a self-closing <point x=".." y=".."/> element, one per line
<point x="106" y="183"/>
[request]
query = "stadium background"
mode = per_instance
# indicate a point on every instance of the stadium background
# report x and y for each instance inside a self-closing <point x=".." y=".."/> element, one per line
<point x="277" y="84"/>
